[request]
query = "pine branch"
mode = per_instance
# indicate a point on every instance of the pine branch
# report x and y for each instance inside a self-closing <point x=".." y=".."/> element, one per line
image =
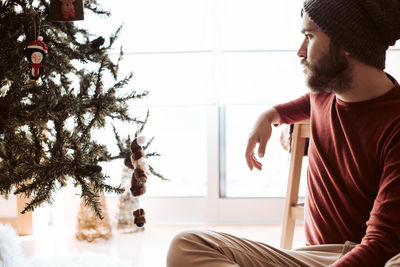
<point x="151" y="169"/>
<point x="148" y="144"/>
<point x="139" y="131"/>
<point x="95" y="8"/>
<point x="152" y="154"/>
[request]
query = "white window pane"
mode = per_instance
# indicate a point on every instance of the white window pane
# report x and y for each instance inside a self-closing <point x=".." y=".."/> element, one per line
<point x="273" y="77"/>
<point x="260" y="24"/>
<point x="396" y="46"/>
<point x="171" y="78"/>
<point x="240" y="181"/>
<point x="180" y="138"/>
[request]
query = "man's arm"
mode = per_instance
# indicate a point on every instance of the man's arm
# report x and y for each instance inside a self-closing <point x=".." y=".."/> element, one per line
<point x="290" y="112"/>
<point x="260" y="134"/>
<point x="294" y="111"/>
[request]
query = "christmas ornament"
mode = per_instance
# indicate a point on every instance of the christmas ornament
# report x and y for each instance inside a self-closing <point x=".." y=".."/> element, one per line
<point x="89" y="227"/>
<point x="35" y="53"/>
<point x="89" y="170"/>
<point x="66" y="10"/>
<point x="139" y="176"/>
<point x="96" y="43"/>
<point x="140" y="220"/>
<point x="127" y="203"/>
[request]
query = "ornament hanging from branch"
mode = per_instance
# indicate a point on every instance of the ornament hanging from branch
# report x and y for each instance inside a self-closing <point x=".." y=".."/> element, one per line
<point x="127" y="204"/>
<point x="66" y="10"/>
<point x="139" y="177"/>
<point x="35" y="53"/>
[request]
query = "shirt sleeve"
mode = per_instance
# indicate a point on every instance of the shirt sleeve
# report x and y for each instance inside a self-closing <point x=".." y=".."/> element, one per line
<point x="382" y="239"/>
<point x="294" y="111"/>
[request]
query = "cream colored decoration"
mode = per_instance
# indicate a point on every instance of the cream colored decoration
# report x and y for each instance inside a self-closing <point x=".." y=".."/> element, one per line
<point x="89" y="227"/>
<point x="127" y="204"/>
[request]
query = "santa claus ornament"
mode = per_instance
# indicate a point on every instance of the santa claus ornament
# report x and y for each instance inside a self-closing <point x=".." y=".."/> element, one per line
<point x="36" y="52"/>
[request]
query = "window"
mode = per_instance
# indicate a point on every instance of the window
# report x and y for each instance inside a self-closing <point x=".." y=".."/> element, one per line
<point x="168" y="47"/>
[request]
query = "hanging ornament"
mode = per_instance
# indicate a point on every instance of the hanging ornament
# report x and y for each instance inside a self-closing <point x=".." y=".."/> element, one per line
<point x="96" y="43"/>
<point x="35" y="53"/>
<point x="139" y="177"/>
<point x="127" y="204"/>
<point x="66" y="10"/>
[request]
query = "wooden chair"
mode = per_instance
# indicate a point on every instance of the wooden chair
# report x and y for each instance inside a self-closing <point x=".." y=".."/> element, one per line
<point x="294" y="210"/>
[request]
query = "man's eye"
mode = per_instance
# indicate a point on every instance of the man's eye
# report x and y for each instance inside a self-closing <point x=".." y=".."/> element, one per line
<point x="308" y="36"/>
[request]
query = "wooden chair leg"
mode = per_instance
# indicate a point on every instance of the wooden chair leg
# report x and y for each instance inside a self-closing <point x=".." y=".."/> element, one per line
<point x="287" y="233"/>
<point x="292" y="211"/>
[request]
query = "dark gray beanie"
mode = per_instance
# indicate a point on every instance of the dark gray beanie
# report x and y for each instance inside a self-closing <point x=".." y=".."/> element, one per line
<point x="365" y="28"/>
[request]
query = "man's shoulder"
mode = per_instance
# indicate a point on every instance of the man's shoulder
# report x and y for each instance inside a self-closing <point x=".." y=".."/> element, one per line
<point x="322" y="98"/>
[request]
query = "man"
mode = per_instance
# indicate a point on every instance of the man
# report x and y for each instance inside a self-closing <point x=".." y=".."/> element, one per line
<point x="352" y="209"/>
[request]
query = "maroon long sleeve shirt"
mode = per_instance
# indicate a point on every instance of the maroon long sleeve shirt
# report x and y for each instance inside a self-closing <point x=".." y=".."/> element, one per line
<point x="353" y="181"/>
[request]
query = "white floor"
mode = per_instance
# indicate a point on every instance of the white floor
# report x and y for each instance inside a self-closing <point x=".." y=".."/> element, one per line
<point x="141" y="249"/>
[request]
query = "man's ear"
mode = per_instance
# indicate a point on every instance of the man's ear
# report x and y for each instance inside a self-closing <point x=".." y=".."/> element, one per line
<point x="347" y="53"/>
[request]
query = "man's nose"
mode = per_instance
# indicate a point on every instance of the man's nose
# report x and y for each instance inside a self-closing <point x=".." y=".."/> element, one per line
<point x="302" y="52"/>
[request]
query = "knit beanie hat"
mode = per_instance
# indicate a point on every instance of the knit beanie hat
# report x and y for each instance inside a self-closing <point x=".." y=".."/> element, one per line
<point x="364" y="28"/>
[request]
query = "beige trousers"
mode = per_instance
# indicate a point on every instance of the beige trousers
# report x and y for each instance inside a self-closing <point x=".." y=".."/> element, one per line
<point x="213" y="249"/>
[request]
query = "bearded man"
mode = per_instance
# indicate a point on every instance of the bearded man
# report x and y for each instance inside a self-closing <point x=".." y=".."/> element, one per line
<point x="352" y="209"/>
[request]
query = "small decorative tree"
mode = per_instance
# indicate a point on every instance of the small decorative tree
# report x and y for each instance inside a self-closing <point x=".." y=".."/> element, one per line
<point x="46" y="126"/>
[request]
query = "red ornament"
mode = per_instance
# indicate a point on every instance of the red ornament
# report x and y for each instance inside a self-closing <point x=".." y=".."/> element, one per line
<point x="66" y="10"/>
<point x="36" y="52"/>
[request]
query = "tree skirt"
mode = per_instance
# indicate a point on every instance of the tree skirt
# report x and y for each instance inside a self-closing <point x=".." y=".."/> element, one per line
<point x="11" y="255"/>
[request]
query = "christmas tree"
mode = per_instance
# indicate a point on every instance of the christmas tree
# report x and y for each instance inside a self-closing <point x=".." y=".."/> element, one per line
<point x="46" y="125"/>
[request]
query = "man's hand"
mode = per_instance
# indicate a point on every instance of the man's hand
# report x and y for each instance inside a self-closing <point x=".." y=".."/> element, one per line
<point x="260" y="134"/>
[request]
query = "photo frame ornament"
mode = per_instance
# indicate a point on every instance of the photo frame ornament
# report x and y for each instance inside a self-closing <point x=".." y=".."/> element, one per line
<point x="66" y="10"/>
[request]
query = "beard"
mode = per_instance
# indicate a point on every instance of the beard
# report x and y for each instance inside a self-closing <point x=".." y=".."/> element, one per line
<point x="331" y="72"/>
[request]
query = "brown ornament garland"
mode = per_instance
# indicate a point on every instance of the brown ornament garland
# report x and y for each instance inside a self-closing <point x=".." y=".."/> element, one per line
<point x="139" y="176"/>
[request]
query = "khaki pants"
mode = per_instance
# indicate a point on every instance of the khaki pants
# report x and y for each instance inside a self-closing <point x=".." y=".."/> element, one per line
<point x="213" y="249"/>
